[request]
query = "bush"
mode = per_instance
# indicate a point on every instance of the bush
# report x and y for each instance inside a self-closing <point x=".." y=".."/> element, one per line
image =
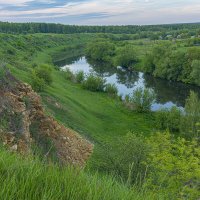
<point x="111" y="89"/>
<point x="128" y="160"/>
<point x="68" y="75"/>
<point x="94" y="83"/>
<point x="44" y="72"/>
<point x="37" y="83"/>
<point x="143" y="99"/>
<point x="80" y="76"/>
<point x="169" y="119"/>
<point x="173" y="166"/>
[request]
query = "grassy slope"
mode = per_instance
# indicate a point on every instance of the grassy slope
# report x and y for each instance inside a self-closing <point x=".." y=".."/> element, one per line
<point x="96" y="116"/>
<point x="25" y="178"/>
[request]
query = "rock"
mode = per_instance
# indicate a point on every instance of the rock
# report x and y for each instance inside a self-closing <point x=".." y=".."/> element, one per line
<point x="69" y="146"/>
<point x="14" y="147"/>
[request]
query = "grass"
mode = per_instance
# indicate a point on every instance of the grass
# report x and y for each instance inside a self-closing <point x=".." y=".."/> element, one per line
<point x="95" y="116"/>
<point x="27" y="178"/>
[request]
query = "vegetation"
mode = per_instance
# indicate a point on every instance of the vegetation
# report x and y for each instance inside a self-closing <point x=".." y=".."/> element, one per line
<point x="173" y="169"/>
<point x="143" y="159"/>
<point x="191" y="118"/>
<point x="111" y="89"/>
<point x="142" y="99"/>
<point x="174" y="64"/>
<point x="80" y="76"/>
<point x="41" y="77"/>
<point x="94" y="83"/>
<point x="169" y="119"/>
<point x="44" y="72"/>
<point x="126" y="56"/>
<point x="167" y="31"/>
<point x="28" y="178"/>
<point x="100" y="51"/>
<point x="68" y="75"/>
<point x="38" y="83"/>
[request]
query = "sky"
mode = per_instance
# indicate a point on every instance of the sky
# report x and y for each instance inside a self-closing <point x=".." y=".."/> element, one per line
<point x="101" y="12"/>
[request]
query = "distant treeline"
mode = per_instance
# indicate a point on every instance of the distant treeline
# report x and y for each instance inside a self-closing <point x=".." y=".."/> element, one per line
<point x="6" y="27"/>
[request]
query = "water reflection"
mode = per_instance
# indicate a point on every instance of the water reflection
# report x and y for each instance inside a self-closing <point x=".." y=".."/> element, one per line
<point x="168" y="93"/>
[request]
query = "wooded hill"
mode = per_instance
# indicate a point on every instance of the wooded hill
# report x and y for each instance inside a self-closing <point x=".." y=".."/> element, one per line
<point x="6" y="27"/>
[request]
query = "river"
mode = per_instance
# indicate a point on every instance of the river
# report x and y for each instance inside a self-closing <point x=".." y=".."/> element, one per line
<point x="168" y="93"/>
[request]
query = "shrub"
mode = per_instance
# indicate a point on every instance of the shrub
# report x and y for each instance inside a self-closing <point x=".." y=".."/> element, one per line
<point x="173" y="166"/>
<point x="131" y="157"/>
<point x="142" y="99"/>
<point x="169" y="119"/>
<point x="80" y="76"/>
<point x="94" y="83"/>
<point x="37" y="83"/>
<point x="68" y="75"/>
<point x="111" y="89"/>
<point x="44" y="72"/>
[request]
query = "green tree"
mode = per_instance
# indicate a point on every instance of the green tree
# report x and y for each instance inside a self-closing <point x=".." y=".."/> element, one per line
<point x="195" y="74"/>
<point x="191" y="117"/>
<point x="100" y="51"/>
<point x="126" y="56"/>
<point x="142" y="99"/>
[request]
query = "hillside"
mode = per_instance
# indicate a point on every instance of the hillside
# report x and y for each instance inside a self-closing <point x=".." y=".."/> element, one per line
<point x="25" y="126"/>
<point x="65" y="123"/>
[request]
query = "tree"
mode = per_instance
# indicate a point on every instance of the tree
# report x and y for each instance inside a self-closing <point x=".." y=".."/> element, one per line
<point x="126" y="56"/>
<point x="195" y="74"/>
<point x="142" y="99"/>
<point x="100" y="51"/>
<point x="191" y="116"/>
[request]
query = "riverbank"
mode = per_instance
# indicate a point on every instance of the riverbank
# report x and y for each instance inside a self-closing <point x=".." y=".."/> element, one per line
<point x="168" y="93"/>
<point x="94" y="115"/>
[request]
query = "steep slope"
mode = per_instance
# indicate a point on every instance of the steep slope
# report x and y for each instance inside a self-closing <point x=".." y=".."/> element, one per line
<point x="25" y="128"/>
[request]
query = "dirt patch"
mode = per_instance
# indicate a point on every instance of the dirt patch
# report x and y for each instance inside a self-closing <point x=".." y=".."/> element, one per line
<point x="23" y="123"/>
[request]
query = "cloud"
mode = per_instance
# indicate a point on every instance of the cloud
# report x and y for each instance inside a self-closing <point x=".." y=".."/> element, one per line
<point x="101" y="12"/>
<point x="14" y="2"/>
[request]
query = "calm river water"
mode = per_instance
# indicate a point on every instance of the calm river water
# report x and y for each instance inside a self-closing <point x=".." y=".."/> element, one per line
<point x="168" y="93"/>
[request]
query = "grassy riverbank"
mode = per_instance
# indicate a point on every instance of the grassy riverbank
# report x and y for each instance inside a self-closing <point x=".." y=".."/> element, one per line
<point x="96" y="116"/>
<point x="121" y="148"/>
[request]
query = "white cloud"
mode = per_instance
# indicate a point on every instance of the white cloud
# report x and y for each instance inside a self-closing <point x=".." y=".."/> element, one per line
<point x="14" y="2"/>
<point x="117" y="11"/>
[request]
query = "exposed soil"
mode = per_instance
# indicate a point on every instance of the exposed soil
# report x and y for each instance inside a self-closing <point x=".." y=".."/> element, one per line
<point x="24" y="124"/>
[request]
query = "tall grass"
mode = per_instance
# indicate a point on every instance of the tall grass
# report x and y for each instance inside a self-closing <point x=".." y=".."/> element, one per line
<point x="30" y="179"/>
